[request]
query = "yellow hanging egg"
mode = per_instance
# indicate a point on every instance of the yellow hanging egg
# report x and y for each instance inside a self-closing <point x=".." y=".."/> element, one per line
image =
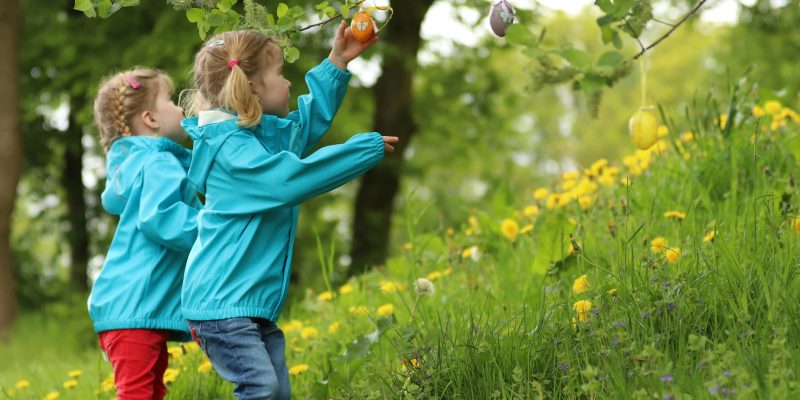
<point x="643" y="127"/>
<point x="363" y="26"/>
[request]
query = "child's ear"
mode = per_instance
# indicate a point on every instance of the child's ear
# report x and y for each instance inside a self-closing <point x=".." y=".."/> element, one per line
<point x="148" y="120"/>
<point x="252" y="88"/>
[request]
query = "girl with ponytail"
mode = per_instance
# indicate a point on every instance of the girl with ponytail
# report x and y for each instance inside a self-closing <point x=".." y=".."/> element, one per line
<point x="251" y="161"/>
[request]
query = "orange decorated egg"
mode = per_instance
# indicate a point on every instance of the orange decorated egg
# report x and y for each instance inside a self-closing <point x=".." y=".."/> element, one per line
<point x="363" y="26"/>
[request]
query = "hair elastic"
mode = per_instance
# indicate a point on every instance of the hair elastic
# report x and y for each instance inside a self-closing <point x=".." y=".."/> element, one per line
<point x="133" y="83"/>
<point x="231" y="63"/>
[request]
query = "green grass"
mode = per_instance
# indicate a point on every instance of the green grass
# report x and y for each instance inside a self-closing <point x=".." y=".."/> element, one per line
<point x="719" y="322"/>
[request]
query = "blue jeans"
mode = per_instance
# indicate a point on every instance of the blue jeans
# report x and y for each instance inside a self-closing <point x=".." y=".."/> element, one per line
<point x="250" y="352"/>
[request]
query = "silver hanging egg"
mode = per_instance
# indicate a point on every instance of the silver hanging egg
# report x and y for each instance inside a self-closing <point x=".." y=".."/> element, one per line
<point x="501" y="17"/>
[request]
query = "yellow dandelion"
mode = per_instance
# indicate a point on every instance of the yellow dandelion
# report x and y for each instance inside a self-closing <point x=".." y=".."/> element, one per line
<point x="325" y="296"/>
<point x="687" y="136"/>
<point x="663" y="131"/>
<point x="658" y="244"/>
<point x="175" y="352"/>
<point x="391" y="287"/>
<point x="581" y="284"/>
<point x="52" y="396"/>
<point x="171" y="374"/>
<point x="709" y="236"/>
<point x="583" y="308"/>
<point x="298" y="369"/>
<point x="386" y="309"/>
<point x="553" y="201"/>
<point x="722" y="121"/>
<point x="510" y="229"/>
<point x="758" y="112"/>
<point x="531" y="211"/>
<point x="541" y="193"/>
<point x="675" y="214"/>
<point x="568" y="184"/>
<point x="585" y="202"/>
<point x="205" y="367"/>
<point x="773" y="107"/>
<point x="359" y="310"/>
<point x="408" y="246"/>
<point x="447" y="271"/>
<point x="333" y="327"/>
<point x="673" y="255"/>
<point x="293" y="326"/>
<point x="107" y="385"/>
<point x="346" y="288"/>
<point x="525" y="229"/>
<point x="612" y="292"/>
<point x="70" y="384"/>
<point x="22" y="384"/>
<point x="309" y="333"/>
<point x="434" y="275"/>
<point x="74" y="373"/>
<point x="191" y="347"/>
<point x="569" y="176"/>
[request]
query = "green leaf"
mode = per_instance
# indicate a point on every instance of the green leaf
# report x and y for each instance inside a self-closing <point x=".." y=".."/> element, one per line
<point x="226" y="5"/>
<point x="605" y="20"/>
<point x="520" y="34"/>
<point x="611" y="59"/>
<point x="330" y="12"/>
<point x="617" y="40"/>
<point x="270" y="20"/>
<point x="195" y="15"/>
<point x="285" y="22"/>
<point x="216" y="18"/>
<point x="357" y="349"/>
<point x="128" y="3"/>
<point x="578" y="58"/>
<point x="291" y="54"/>
<point x="283" y="9"/>
<point x="104" y="8"/>
<point x="591" y="85"/>
<point x="321" y="6"/>
<point x="345" y="11"/>
<point x="535" y="52"/>
<point x="85" y="6"/>
<point x="297" y="12"/>
<point x="319" y="390"/>
<point x="605" y="5"/>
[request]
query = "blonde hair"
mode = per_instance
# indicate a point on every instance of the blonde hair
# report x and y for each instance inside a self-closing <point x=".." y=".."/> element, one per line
<point x="221" y="83"/>
<point x="123" y="95"/>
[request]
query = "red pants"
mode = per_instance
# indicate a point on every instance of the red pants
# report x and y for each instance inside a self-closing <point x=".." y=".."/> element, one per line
<point x="139" y="358"/>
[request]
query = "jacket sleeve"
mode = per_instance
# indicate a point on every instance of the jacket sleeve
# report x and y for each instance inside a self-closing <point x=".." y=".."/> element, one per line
<point x="164" y="217"/>
<point x="327" y="85"/>
<point x="259" y="183"/>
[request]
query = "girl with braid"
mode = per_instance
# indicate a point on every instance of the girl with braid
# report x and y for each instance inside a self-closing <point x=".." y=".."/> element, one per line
<point x="135" y="301"/>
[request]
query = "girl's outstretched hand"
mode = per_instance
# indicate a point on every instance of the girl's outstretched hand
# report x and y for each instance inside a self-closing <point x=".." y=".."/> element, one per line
<point x="346" y="48"/>
<point x="388" y="141"/>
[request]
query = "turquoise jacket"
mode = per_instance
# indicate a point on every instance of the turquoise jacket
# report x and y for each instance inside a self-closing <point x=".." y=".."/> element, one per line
<point x="254" y="180"/>
<point x="147" y="187"/>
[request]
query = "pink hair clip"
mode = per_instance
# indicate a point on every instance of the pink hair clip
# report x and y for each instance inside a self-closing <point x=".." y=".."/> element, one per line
<point x="231" y="63"/>
<point x="133" y="83"/>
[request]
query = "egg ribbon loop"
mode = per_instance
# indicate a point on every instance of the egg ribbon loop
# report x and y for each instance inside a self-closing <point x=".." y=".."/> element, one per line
<point x="380" y="8"/>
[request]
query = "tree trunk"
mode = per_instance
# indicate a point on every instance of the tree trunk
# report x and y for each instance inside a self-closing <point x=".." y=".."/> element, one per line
<point x="76" y="202"/>
<point x="393" y="99"/>
<point x="10" y="152"/>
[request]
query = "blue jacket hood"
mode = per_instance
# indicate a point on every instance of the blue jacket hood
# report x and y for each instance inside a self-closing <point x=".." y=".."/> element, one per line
<point x="124" y="163"/>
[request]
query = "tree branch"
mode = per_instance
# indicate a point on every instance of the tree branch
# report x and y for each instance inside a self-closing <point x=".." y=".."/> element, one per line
<point x="333" y="18"/>
<point x="674" y="27"/>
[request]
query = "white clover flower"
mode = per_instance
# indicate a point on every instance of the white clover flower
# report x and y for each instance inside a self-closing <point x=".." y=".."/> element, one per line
<point x="424" y="287"/>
